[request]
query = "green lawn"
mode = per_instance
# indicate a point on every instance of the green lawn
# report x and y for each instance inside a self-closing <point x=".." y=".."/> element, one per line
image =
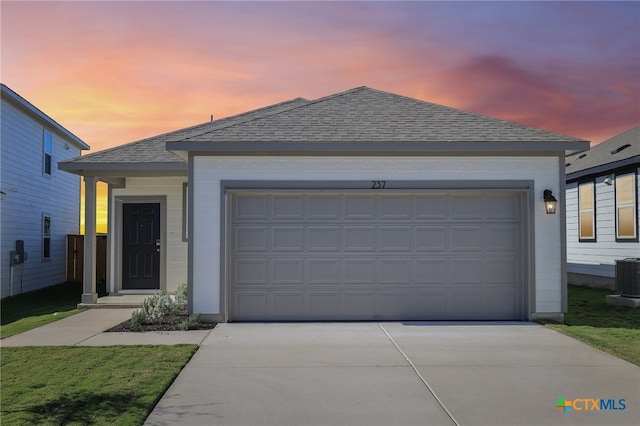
<point x="116" y="385"/>
<point x="614" y="329"/>
<point x="31" y="310"/>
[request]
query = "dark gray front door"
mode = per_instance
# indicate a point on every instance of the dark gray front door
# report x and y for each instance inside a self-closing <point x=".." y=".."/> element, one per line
<point x="141" y="246"/>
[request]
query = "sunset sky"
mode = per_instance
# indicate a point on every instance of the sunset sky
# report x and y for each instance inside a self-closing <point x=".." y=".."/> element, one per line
<point x="114" y="72"/>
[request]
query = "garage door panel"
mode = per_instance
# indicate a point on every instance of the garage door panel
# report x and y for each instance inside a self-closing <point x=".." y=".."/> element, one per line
<point x="432" y="238"/>
<point x="503" y="237"/>
<point x="395" y="238"/>
<point x="324" y="305"/>
<point x="394" y="271"/>
<point x="324" y="207"/>
<point x="467" y="207"/>
<point x="393" y="305"/>
<point x="359" y="271"/>
<point x="382" y="256"/>
<point x="252" y="239"/>
<point x="251" y="271"/>
<point x="250" y="207"/>
<point x="359" y="305"/>
<point x="396" y="208"/>
<point x="287" y="207"/>
<point x="286" y="305"/>
<point x="359" y="207"/>
<point x="324" y="238"/>
<point x="432" y="271"/>
<point x="359" y="238"/>
<point x="466" y="271"/>
<point x="467" y="238"/>
<point x="502" y="207"/>
<point x="287" y="238"/>
<point x="287" y="271"/>
<point x="432" y="207"/>
<point x="324" y="271"/>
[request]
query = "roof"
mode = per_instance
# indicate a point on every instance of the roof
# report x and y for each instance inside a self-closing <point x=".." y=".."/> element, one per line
<point x="358" y="121"/>
<point x="369" y="115"/>
<point x="27" y="106"/>
<point x="620" y="151"/>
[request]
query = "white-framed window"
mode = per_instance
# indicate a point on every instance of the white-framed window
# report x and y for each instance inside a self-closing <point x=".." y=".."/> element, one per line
<point x="46" y="237"/>
<point x="626" y="208"/>
<point x="587" y="212"/>
<point x="47" y="153"/>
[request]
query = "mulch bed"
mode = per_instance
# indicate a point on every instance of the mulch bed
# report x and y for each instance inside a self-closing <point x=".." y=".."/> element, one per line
<point x="169" y="323"/>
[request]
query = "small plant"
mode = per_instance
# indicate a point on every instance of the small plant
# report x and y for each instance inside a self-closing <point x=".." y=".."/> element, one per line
<point x="190" y="322"/>
<point x="156" y="307"/>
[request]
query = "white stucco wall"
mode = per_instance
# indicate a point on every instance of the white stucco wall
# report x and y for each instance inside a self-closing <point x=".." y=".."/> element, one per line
<point x="171" y="188"/>
<point x="208" y="172"/>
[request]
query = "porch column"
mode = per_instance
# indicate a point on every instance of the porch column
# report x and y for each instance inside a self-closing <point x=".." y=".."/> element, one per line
<point x="89" y="294"/>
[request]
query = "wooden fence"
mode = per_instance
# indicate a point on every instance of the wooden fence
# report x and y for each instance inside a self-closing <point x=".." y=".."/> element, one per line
<point x="75" y="258"/>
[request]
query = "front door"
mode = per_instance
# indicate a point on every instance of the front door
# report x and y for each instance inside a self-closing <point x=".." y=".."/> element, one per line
<point x="141" y="246"/>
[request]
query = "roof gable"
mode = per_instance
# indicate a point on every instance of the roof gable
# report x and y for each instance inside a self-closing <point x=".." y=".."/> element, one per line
<point x="618" y="151"/>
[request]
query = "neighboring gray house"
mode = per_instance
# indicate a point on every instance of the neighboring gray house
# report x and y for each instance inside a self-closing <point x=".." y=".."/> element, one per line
<point x="602" y="208"/>
<point x="40" y="204"/>
<point x="362" y="205"/>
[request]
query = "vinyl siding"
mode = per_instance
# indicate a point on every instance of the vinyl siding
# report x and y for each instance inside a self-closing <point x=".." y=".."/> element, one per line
<point x="208" y="172"/>
<point x="28" y="195"/>
<point x="597" y="258"/>
<point x="175" y="247"/>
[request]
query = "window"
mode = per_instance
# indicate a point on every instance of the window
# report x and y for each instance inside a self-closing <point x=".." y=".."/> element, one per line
<point x="587" y="212"/>
<point x="185" y="212"/>
<point x="626" y="210"/>
<point x="47" y="149"/>
<point x="46" y="237"/>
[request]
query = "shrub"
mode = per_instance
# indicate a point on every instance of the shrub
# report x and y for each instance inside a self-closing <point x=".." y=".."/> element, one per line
<point x="156" y="307"/>
<point x="190" y="322"/>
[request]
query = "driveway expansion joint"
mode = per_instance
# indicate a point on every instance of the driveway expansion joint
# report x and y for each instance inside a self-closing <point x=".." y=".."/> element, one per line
<point x="422" y="379"/>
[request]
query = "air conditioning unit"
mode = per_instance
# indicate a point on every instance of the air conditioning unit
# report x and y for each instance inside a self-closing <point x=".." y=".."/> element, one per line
<point x="628" y="277"/>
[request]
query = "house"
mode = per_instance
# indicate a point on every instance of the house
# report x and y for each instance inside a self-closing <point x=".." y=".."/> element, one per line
<point x="602" y="209"/>
<point x="40" y="204"/>
<point x="361" y="205"/>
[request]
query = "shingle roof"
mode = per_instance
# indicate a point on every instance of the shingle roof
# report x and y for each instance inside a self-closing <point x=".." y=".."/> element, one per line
<point x="152" y="150"/>
<point x="620" y="150"/>
<point x="367" y="115"/>
<point x="360" y="115"/>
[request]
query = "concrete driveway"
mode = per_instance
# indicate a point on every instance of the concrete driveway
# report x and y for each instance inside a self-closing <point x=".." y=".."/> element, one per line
<point x="398" y="374"/>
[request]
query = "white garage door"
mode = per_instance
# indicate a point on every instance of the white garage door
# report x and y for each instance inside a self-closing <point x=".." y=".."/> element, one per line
<point x="349" y="255"/>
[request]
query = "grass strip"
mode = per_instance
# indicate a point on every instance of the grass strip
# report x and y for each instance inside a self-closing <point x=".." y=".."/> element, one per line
<point x="30" y="310"/>
<point x="87" y="385"/>
<point x="613" y="329"/>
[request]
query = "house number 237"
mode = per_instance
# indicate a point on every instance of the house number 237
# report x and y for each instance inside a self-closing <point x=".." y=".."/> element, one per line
<point x="378" y="184"/>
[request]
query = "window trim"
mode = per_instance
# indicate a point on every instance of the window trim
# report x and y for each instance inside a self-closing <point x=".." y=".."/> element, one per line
<point x="185" y="212"/>
<point x="46" y="238"/>
<point x="634" y="204"/>
<point x="47" y="154"/>
<point x="593" y="213"/>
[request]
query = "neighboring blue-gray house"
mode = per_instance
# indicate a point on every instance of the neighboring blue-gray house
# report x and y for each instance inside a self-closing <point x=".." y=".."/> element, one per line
<point x="40" y="204"/>
<point x="602" y="209"/>
<point x="361" y="205"/>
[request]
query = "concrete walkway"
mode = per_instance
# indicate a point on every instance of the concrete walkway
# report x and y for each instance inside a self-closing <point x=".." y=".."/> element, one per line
<point x="87" y="329"/>
<point x="397" y="374"/>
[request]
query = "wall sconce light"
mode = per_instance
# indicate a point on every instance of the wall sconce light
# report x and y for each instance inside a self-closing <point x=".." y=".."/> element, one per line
<point x="550" y="202"/>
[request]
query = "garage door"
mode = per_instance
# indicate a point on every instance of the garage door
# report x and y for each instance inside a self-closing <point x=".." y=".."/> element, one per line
<point x="375" y="256"/>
